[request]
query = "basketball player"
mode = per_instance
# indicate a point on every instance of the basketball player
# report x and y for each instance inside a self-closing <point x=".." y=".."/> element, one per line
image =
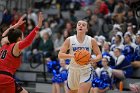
<point x="79" y="77"/>
<point x="10" y="58"/>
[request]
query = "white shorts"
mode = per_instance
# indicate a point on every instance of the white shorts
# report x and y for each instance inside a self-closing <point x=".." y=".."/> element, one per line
<point x="77" y="76"/>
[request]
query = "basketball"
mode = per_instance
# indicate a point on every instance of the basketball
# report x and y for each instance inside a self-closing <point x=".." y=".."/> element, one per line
<point x="82" y="57"/>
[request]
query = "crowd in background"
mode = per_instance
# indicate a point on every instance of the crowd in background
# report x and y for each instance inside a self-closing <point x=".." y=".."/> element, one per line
<point x="112" y="23"/>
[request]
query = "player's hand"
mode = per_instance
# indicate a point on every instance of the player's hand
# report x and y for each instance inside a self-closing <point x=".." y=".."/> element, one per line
<point x="40" y="19"/>
<point x="92" y="60"/>
<point x="71" y="56"/>
<point x="21" y="20"/>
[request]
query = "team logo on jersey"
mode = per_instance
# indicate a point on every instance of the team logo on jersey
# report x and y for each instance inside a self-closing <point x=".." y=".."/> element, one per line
<point x="76" y="48"/>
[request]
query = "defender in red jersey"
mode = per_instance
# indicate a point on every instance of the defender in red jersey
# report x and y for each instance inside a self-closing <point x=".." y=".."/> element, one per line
<point x="10" y="58"/>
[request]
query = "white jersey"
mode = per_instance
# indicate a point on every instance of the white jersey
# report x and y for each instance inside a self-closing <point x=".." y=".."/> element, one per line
<point x="74" y="45"/>
<point x="78" y="74"/>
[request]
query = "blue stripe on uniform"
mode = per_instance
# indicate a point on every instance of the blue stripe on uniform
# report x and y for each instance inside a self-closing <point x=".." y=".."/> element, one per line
<point x="68" y="86"/>
<point x="90" y="76"/>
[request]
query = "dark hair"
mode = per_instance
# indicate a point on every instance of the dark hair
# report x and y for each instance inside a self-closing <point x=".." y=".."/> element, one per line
<point x="119" y="37"/>
<point x="85" y="21"/>
<point x="130" y="37"/>
<point x="119" y="49"/>
<point x="121" y="1"/>
<point x="13" y="35"/>
<point x="106" y="59"/>
<point x="72" y="12"/>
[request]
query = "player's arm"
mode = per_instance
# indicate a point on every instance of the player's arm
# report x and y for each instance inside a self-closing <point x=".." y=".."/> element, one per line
<point x="19" y="46"/>
<point x="4" y="39"/>
<point x="62" y="53"/>
<point x="96" y="51"/>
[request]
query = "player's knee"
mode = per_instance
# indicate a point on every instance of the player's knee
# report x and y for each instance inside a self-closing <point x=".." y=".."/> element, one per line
<point x="24" y="91"/>
<point x="91" y="90"/>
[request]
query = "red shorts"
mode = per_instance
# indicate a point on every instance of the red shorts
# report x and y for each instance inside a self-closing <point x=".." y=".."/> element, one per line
<point x="8" y="84"/>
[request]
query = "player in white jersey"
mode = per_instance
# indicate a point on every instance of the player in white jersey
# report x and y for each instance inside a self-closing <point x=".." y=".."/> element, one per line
<point x="79" y="77"/>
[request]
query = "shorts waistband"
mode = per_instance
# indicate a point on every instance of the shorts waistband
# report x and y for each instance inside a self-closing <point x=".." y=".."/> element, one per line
<point x="6" y="73"/>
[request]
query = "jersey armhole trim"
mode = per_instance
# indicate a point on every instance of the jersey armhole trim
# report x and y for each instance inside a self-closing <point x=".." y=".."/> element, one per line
<point x="13" y="54"/>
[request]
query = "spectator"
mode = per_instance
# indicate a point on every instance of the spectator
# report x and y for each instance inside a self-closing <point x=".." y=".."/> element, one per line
<point x="46" y="29"/>
<point x="15" y="19"/>
<point x="118" y="42"/>
<point x="121" y="8"/>
<point x="39" y="4"/>
<point x="7" y="17"/>
<point x="66" y="34"/>
<point x="35" y="55"/>
<point x="32" y="15"/>
<point x="136" y="60"/>
<point x="73" y="18"/>
<point x="111" y="5"/>
<point x="96" y="75"/>
<point x="105" y="81"/>
<point x="131" y="18"/>
<point x="64" y="4"/>
<point x="129" y="47"/>
<point x="46" y="45"/>
<point x="75" y="4"/>
<point x="116" y="28"/>
<point x="95" y="25"/>
<point x="89" y="15"/>
<point x="58" y="42"/>
<point x="101" y="8"/>
<point x="36" y="42"/>
<point x="59" y="80"/>
<point x="69" y="28"/>
<point x="106" y="52"/>
<point x="30" y="26"/>
<point x="130" y="29"/>
<point x="122" y="68"/>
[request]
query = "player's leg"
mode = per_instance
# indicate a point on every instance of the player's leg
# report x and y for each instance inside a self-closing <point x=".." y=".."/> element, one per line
<point x="19" y="89"/>
<point x="94" y="90"/>
<point x="84" y="87"/>
<point x="73" y="80"/>
<point x="85" y="80"/>
<point x="24" y="91"/>
<point x="71" y="91"/>
<point x="68" y="88"/>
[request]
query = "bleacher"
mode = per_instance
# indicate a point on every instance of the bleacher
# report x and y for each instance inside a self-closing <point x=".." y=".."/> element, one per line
<point x="34" y="80"/>
<point x="37" y="80"/>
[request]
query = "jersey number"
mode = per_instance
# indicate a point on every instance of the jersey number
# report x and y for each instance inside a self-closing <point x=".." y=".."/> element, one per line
<point x="3" y="54"/>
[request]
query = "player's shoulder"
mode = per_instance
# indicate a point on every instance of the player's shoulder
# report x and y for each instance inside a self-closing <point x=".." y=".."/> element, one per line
<point x="92" y="39"/>
<point x="88" y="36"/>
<point x="71" y="37"/>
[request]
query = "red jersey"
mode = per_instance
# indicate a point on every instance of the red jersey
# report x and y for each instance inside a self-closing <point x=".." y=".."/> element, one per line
<point x="9" y="62"/>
